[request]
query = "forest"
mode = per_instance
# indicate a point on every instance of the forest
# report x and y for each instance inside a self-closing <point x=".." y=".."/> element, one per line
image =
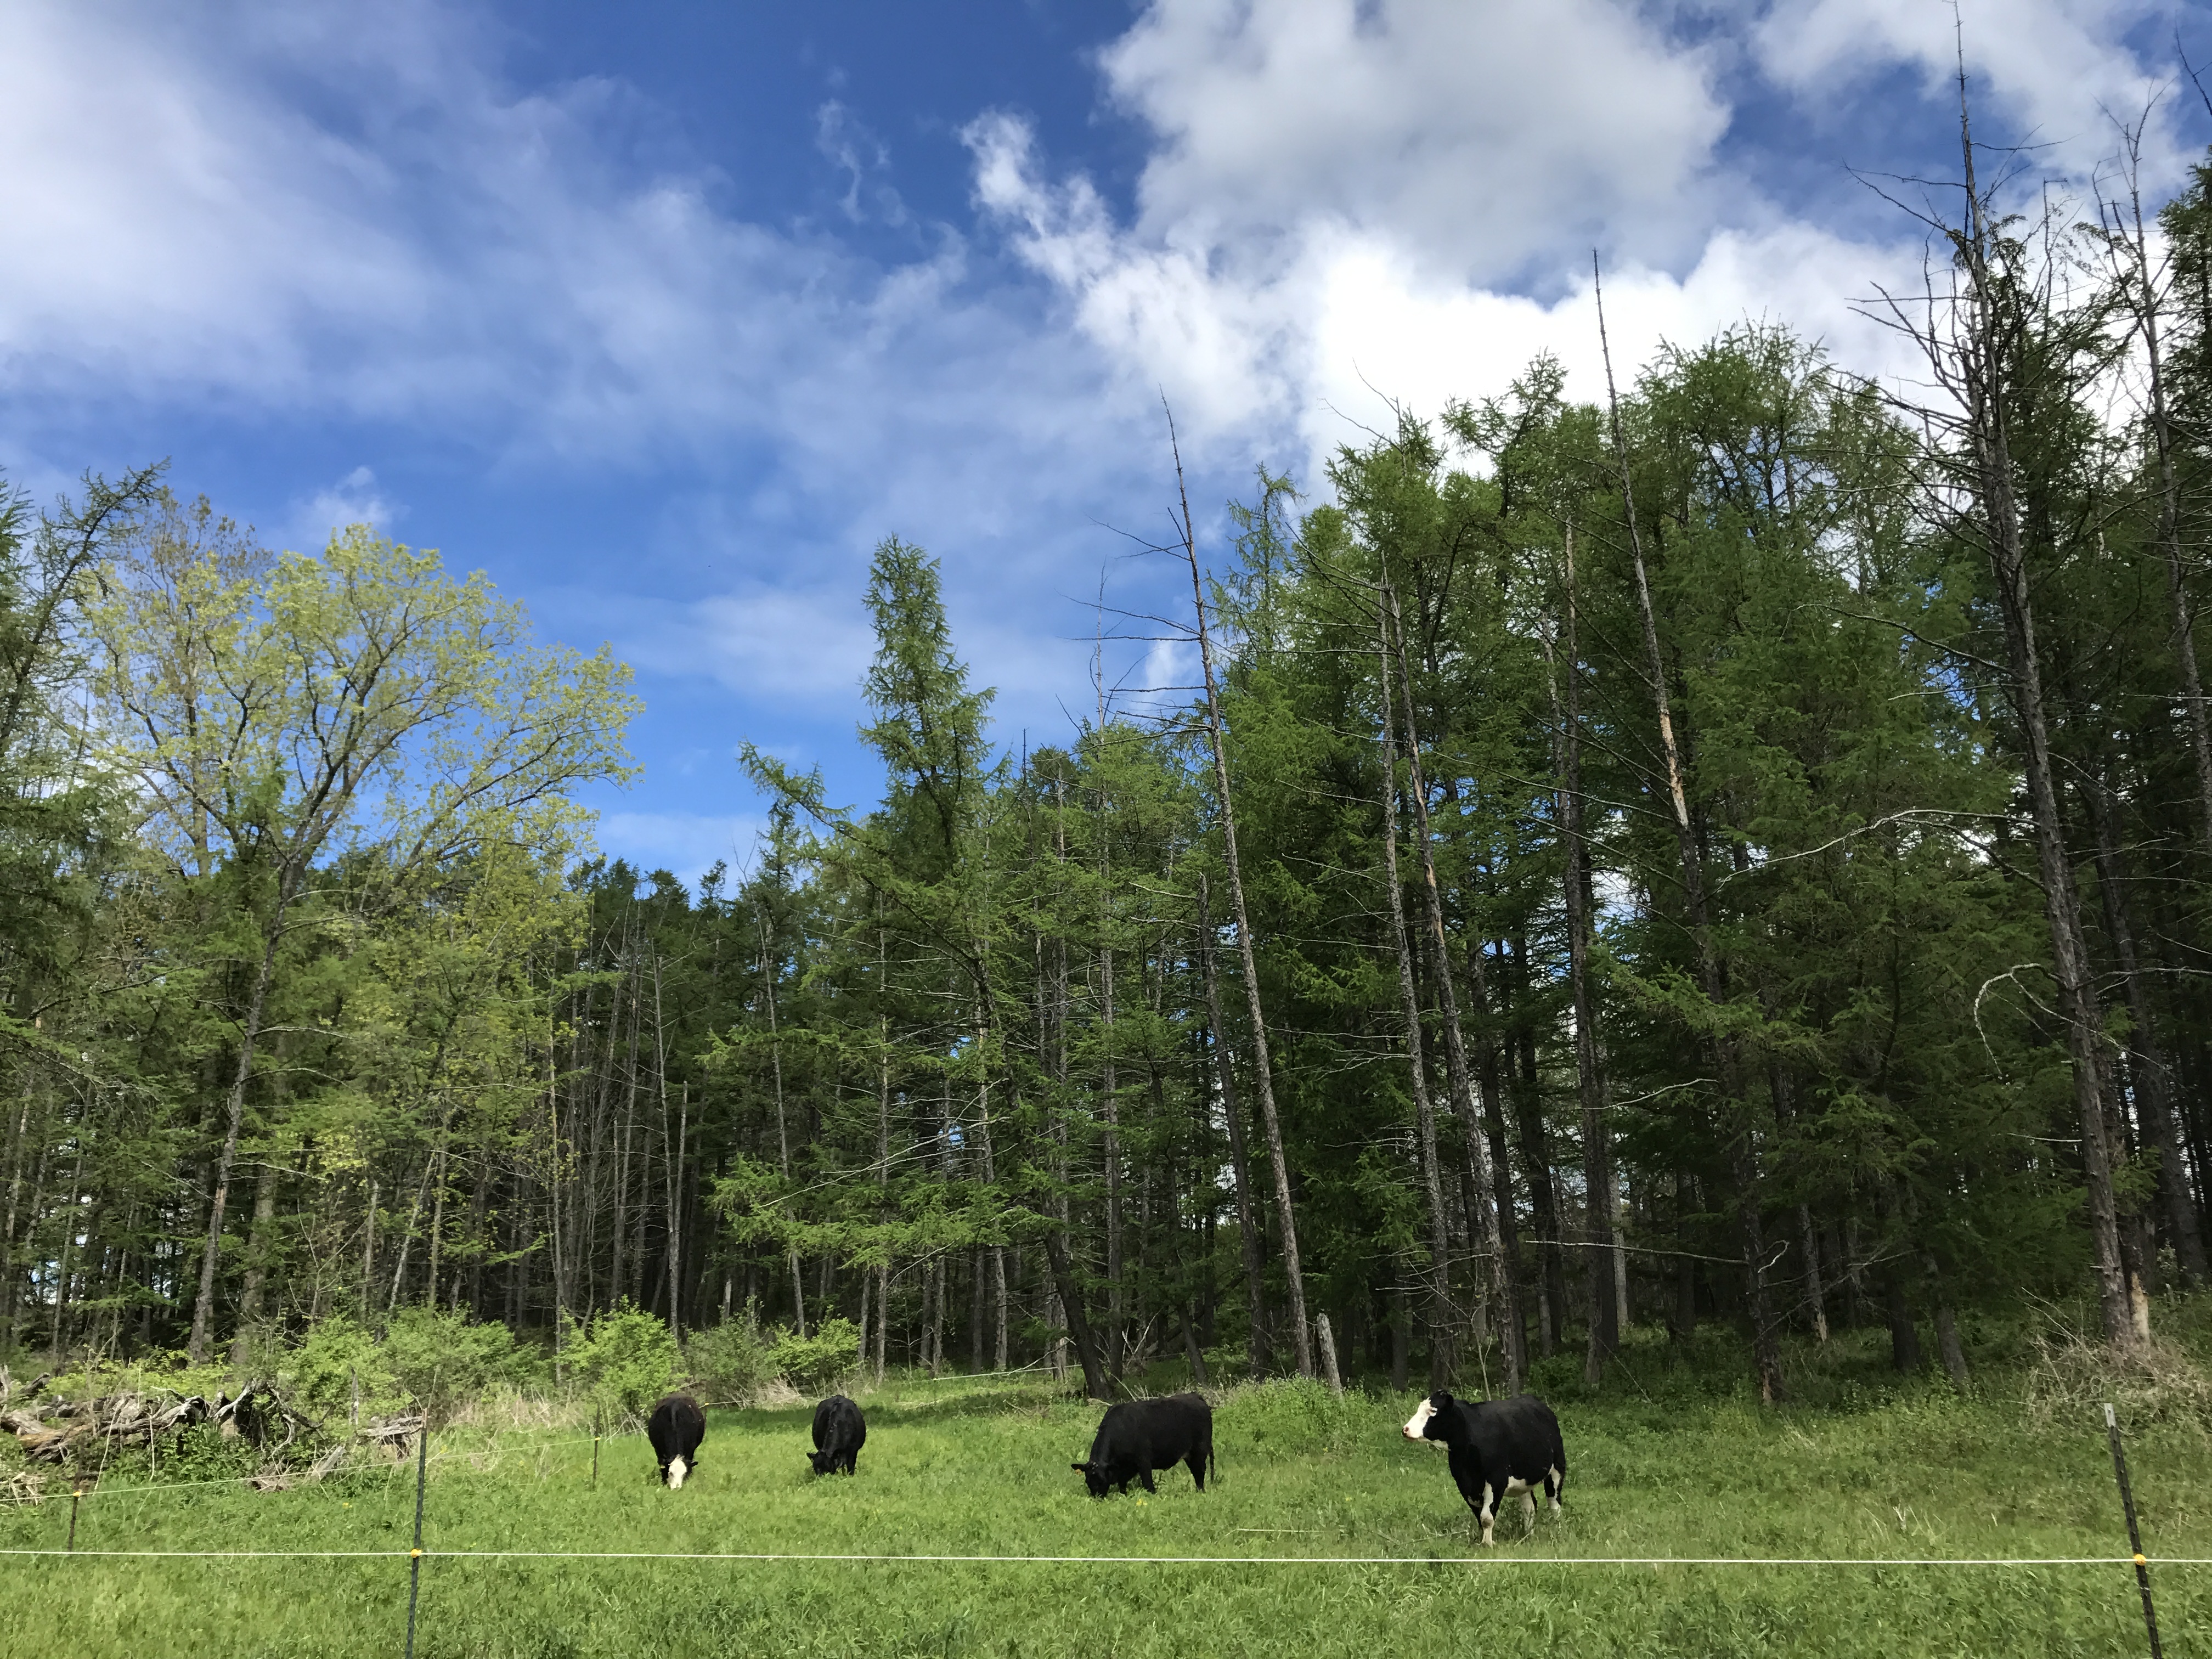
<point x="1726" y="850"/>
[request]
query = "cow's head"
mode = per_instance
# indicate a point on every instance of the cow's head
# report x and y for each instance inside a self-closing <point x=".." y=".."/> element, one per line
<point x="1423" y="1423"/>
<point x="673" y="1471"/>
<point x="1094" y="1477"/>
<point x="822" y="1460"/>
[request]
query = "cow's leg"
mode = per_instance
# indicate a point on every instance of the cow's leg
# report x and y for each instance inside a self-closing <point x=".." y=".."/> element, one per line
<point x="1488" y="1514"/>
<point x="1145" y="1475"/>
<point x="1196" y="1461"/>
<point x="1555" y="1482"/>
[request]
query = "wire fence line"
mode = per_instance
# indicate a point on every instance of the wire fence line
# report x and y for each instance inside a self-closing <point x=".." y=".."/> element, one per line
<point x="879" y="1559"/>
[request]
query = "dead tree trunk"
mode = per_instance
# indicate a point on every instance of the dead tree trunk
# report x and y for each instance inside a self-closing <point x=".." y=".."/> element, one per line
<point x="1743" y="1153"/>
<point x="1240" y="1163"/>
<point x="1425" y="1116"/>
<point x="1486" y="1218"/>
<point x="1263" y="1072"/>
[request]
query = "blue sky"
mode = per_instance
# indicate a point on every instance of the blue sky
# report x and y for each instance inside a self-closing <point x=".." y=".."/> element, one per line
<point x="664" y="314"/>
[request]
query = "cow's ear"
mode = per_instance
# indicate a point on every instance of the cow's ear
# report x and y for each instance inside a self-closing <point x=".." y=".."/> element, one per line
<point x="1081" y="1469"/>
<point x="1441" y="1400"/>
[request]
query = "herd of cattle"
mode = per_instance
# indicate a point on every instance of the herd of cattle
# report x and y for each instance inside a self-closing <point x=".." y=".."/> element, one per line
<point x="1499" y="1449"/>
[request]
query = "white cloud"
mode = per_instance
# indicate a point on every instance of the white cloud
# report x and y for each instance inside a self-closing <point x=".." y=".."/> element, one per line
<point x="1481" y="134"/>
<point x="1346" y="317"/>
<point x="1349" y="202"/>
<point x="354" y="499"/>
<point x="2054" y="74"/>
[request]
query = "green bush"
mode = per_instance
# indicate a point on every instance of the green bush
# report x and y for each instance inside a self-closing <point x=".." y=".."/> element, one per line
<point x="338" y="1356"/>
<point x="626" y="1359"/>
<point x="809" y="1363"/>
<point x="729" y="1362"/>
<point x="425" y="1359"/>
<point x="441" y="1360"/>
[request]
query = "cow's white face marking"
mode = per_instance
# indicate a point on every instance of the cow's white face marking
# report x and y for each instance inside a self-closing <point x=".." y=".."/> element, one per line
<point x="678" y="1468"/>
<point x="1418" y="1422"/>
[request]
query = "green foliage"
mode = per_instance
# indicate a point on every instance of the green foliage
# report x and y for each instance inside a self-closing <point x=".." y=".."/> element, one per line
<point x="336" y="1358"/>
<point x="441" y="1358"/>
<point x="814" y="1361"/>
<point x="626" y="1359"/>
<point x="427" y="1358"/>
<point x="729" y="1362"/>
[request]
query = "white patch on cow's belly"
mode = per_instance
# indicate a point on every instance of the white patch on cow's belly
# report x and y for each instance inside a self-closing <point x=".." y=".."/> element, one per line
<point x="1418" y="1421"/>
<point x="678" y="1468"/>
<point x="1515" y="1485"/>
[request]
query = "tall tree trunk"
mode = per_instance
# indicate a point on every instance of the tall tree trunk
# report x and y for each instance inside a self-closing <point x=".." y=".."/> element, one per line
<point x="1489" y="1224"/>
<point x="2147" y="1066"/>
<point x="2141" y="291"/>
<point x="1262" y="1070"/>
<point x="1743" y="1154"/>
<point x="437" y="1225"/>
<point x="1425" y="1117"/>
<point x="1248" y="1217"/>
<point x="1490" y="1086"/>
<point x="883" y="1140"/>
<point x="1598" y="1185"/>
<point x="1070" y="1307"/>
<point x="771" y="971"/>
<point x="249" y="1033"/>
<point x="1110" y="1116"/>
<point x="1976" y="357"/>
<point x="619" y="1269"/>
<point x="256" y="1262"/>
<point x="1536" y="1156"/>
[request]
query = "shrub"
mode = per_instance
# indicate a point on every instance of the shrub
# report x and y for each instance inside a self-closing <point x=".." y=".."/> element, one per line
<point x="441" y="1359"/>
<point x="626" y="1359"/>
<point x="336" y="1357"/>
<point x="809" y="1363"/>
<point x="729" y="1361"/>
<point x="430" y="1360"/>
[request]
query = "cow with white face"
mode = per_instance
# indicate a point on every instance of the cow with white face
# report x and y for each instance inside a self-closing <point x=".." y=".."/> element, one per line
<point x="676" y="1428"/>
<point x="1499" y="1449"/>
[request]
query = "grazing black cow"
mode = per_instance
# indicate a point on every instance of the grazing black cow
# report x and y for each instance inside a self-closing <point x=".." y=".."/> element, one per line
<point x="1499" y="1449"/>
<point x="676" y="1428"/>
<point x="1139" y="1436"/>
<point x="840" y="1432"/>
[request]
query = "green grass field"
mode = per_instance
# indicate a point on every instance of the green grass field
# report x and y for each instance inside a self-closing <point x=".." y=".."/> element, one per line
<point x="1672" y="1464"/>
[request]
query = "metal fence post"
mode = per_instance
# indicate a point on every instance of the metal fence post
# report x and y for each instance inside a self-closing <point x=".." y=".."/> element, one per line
<point x="414" y="1557"/>
<point x="2134" y="1537"/>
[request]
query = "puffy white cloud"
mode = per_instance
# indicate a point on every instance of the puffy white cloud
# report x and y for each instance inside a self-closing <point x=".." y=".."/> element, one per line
<point x="1350" y="202"/>
<point x="2052" y="74"/>
<point x="1482" y="135"/>
<point x="1345" y="317"/>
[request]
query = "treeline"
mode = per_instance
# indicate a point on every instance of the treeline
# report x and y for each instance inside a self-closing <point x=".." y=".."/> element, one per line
<point x="1735" y="850"/>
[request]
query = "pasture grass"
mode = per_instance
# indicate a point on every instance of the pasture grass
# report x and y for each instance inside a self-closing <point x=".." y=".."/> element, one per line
<point x="1666" y="1460"/>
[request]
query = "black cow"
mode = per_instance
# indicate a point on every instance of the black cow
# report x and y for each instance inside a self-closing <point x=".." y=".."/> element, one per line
<point x="1499" y="1449"/>
<point x="1139" y="1436"/>
<point x="676" y="1428"/>
<point x="840" y="1432"/>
